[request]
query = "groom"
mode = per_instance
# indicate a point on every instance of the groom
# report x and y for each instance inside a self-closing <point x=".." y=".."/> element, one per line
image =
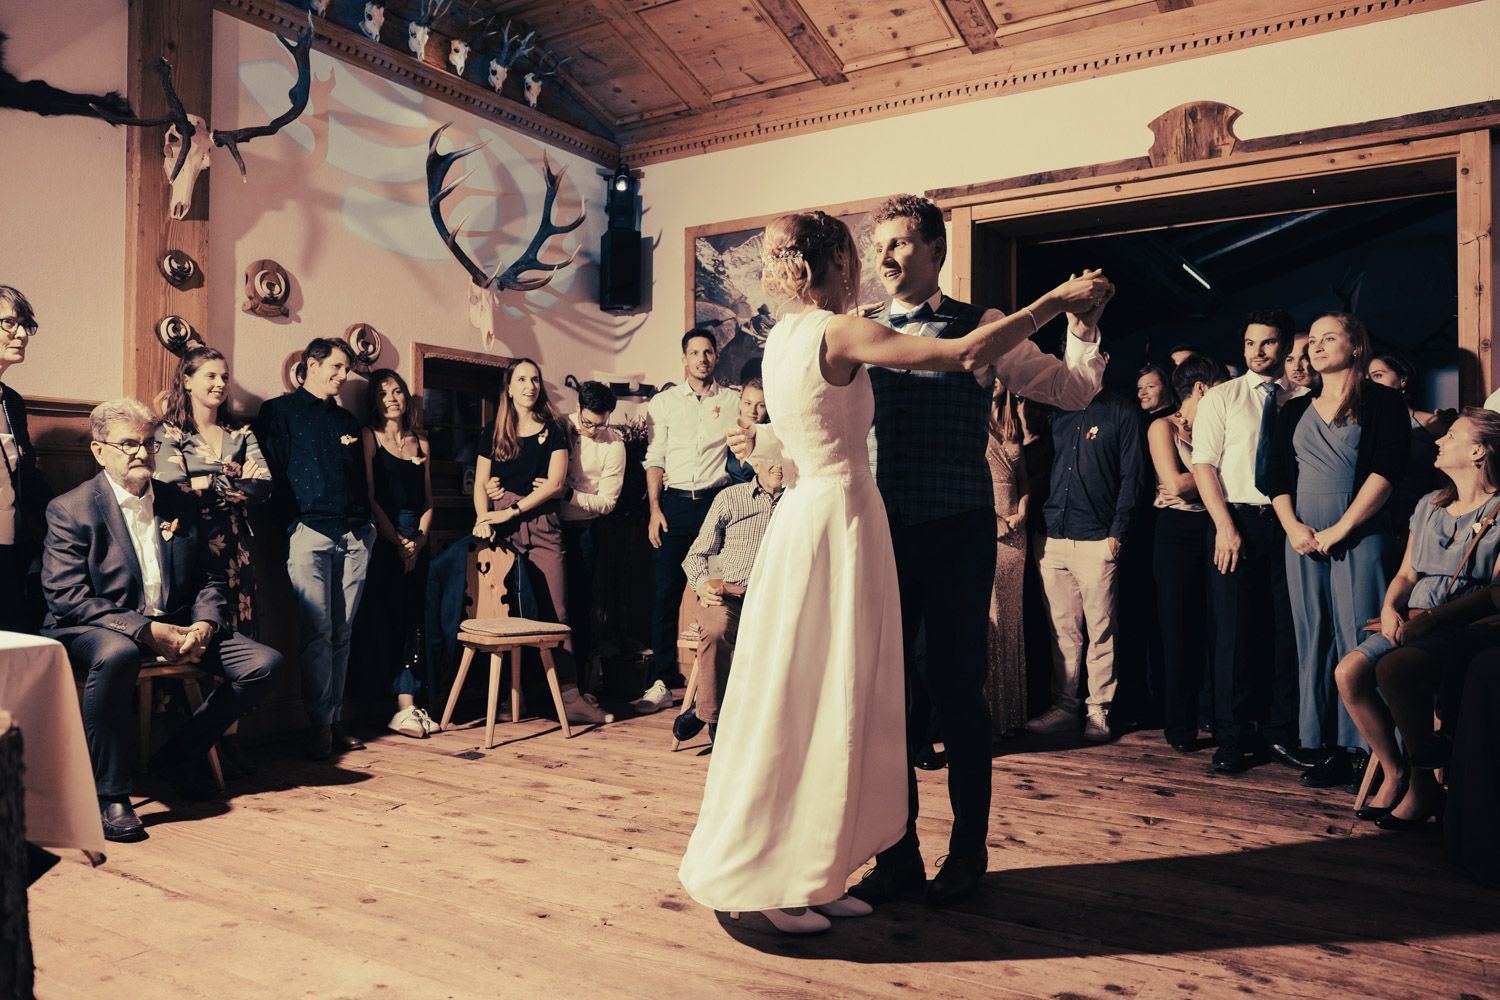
<point x="928" y="448"/>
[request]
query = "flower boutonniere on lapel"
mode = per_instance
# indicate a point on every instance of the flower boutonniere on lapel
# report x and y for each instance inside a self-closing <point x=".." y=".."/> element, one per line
<point x="542" y="437"/>
<point x="418" y="459"/>
<point x="348" y="439"/>
<point x="716" y="413"/>
<point x="168" y="529"/>
<point x="1093" y="432"/>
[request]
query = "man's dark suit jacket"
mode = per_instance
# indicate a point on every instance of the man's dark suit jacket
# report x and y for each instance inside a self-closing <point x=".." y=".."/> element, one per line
<point x="92" y="578"/>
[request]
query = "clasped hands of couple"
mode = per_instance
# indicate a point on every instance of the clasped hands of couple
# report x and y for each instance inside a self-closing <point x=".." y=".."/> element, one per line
<point x="1307" y="542"/>
<point x="176" y="643"/>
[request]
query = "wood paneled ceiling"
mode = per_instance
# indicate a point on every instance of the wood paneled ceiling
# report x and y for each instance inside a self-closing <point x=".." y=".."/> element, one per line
<point x="660" y="79"/>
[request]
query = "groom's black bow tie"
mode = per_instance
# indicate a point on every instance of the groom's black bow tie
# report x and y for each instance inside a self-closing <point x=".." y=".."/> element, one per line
<point x="921" y="314"/>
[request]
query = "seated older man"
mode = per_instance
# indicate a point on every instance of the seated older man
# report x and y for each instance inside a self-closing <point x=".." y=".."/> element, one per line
<point x="128" y="573"/>
<point x="731" y="535"/>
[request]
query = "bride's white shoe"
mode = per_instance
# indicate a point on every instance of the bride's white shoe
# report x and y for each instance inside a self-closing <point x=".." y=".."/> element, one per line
<point x="845" y="906"/>
<point x="806" y="922"/>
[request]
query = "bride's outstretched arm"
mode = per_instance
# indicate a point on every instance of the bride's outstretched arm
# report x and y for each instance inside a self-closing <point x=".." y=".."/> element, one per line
<point x="852" y="341"/>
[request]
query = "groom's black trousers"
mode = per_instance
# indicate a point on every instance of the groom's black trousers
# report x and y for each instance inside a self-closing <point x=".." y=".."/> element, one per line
<point x="946" y="571"/>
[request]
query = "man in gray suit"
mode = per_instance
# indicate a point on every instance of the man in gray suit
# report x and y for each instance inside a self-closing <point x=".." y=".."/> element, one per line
<point x="127" y="573"/>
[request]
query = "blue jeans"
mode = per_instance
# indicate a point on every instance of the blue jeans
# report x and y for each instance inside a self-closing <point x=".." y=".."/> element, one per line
<point x="328" y="575"/>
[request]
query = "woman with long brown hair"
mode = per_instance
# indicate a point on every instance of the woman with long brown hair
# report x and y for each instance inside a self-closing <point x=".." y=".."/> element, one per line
<point x="1005" y="688"/>
<point x="205" y="451"/>
<point x="1336" y="456"/>
<point x="1446" y="580"/>
<point x="517" y="483"/>
<point x="808" y="776"/>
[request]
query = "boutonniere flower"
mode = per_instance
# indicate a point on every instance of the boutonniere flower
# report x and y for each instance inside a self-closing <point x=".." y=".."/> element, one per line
<point x="419" y="459"/>
<point x="348" y="439"/>
<point x="168" y="529"/>
<point x="1093" y="432"/>
<point x="716" y="413"/>
<point x="542" y="437"/>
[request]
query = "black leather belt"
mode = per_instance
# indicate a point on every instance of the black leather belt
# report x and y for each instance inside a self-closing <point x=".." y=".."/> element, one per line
<point x="1258" y="509"/>
<point x="707" y="494"/>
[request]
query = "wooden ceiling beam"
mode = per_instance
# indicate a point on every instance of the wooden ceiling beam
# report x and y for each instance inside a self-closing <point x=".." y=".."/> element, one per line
<point x="791" y="21"/>
<point x="660" y="59"/>
<point x="972" y="18"/>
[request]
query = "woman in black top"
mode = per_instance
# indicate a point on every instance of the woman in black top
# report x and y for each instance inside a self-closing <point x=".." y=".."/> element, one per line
<point x="389" y="627"/>
<point x="516" y="486"/>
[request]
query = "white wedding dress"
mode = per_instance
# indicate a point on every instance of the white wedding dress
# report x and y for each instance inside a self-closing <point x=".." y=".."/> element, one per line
<point x="807" y="780"/>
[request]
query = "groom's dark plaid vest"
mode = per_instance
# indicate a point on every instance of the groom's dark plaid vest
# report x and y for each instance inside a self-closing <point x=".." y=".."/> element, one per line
<point x="931" y="429"/>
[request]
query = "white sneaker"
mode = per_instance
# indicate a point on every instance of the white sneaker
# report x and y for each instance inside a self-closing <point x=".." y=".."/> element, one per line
<point x="657" y="697"/>
<point x="1054" y="720"/>
<point x="584" y="708"/>
<point x="1096" y="729"/>
<point x="407" y="723"/>
<point x="429" y="724"/>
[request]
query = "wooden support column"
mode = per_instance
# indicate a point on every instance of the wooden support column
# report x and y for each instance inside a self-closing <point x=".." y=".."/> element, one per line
<point x="983" y="262"/>
<point x="182" y="32"/>
<point x="1478" y="310"/>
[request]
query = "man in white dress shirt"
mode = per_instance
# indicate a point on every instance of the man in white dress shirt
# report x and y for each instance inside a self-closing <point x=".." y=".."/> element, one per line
<point x="928" y="443"/>
<point x="1255" y="653"/>
<point x="686" y="455"/>
<point x="596" y="474"/>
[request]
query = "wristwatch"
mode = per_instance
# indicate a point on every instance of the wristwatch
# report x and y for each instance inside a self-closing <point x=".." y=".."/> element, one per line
<point x="515" y="507"/>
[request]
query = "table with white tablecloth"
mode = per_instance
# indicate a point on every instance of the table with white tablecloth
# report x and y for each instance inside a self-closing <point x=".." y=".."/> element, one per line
<point x="37" y="688"/>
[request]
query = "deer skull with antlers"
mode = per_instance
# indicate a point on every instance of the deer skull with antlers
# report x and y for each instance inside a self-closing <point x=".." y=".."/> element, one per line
<point x="513" y="48"/>
<point x="185" y="154"/>
<point x="532" y="84"/>
<point x="418" y="30"/>
<point x="320" y="7"/>
<point x="484" y="291"/>
<point x="373" y="20"/>
<point x="459" y="49"/>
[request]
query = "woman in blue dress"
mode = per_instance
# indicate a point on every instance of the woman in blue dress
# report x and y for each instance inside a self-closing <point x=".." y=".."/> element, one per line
<point x="1337" y="455"/>
<point x="1445" y="580"/>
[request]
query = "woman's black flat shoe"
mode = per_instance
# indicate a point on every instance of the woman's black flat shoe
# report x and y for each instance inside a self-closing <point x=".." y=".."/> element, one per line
<point x="1390" y="822"/>
<point x="1372" y="813"/>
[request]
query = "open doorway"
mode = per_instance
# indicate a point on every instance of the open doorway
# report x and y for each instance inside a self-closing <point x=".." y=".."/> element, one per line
<point x="1391" y="262"/>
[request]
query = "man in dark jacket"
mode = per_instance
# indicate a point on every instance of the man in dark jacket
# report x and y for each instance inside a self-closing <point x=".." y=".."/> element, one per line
<point x="128" y="574"/>
<point x="22" y="488"/>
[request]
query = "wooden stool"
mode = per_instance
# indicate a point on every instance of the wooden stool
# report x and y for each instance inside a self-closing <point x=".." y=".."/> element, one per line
<point x="690" y="690"/>
<point x="495" y="637"/>
<point x="154" y="670"/>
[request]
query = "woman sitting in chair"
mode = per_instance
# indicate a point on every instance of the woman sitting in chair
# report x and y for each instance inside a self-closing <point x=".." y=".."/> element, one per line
<point x="516" y="489"/>
<point x="1446" y="581"/>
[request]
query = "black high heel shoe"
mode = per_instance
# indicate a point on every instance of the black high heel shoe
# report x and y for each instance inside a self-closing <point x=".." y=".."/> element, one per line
<point x="1374" y="814"/>
<point x="1392" y="822"/>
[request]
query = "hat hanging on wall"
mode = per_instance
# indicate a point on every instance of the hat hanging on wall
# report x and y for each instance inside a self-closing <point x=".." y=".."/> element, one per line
<point x="289" y="376"/>
<point x="178" y="268"/>
<point x="365" y="340"/>
<point x="267" y="287"/>
<point x="177" y="334"/>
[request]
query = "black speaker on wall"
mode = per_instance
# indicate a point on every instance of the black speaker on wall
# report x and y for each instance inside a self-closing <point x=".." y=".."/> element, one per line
<point x="620" y="270"/>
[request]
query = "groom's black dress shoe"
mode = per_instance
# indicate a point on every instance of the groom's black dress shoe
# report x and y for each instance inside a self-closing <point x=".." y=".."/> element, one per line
<point x="930" y="759"/>
<point x="187" y="781"/>
<point x="121" y="824"/>
<point x="887" y="880"/>
<point x="958" y="878"/>
<point x="1296" y="758"/>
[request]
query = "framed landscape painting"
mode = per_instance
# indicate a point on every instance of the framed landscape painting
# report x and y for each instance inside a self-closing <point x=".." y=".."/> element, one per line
<point x="724" y="295"/>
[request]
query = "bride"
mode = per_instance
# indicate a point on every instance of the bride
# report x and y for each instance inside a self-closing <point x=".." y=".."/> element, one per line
<point x="808" y="775"/>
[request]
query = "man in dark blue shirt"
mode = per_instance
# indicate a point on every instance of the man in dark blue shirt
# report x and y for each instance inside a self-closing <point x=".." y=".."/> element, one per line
<point x="1096" y="473"/>
<point x="313" y="449"/>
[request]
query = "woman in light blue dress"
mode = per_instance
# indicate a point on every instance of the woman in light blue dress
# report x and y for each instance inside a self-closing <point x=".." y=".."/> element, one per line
<point x="1338" y="454"/>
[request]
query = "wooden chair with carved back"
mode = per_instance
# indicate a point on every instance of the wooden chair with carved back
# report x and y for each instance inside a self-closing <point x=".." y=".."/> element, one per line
<point x="492" y="630"/>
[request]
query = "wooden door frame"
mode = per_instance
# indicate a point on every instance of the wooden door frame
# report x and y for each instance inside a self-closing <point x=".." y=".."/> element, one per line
<point x="1382" y="163"/>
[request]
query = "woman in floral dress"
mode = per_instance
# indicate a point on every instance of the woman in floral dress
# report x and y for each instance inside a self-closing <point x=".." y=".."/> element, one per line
<point x="206" y="452"/>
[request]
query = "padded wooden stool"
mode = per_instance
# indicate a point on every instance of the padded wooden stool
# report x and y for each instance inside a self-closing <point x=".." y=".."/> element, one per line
<point x="495" y="637"/>
<point x="154" y="670"/>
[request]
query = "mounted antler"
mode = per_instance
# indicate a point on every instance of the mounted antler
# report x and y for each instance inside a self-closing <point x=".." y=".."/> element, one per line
<point x="513" y="48"/>
<point x="418" y="30"/>
<point x="485" y="293"/>
<point x="534" y="80"/>
<point x="187" y="138"/>
<point x="458" y="49"/>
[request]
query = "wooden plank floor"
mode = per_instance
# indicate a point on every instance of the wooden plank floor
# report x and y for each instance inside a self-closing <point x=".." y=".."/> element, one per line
<point x="547" y="868"/>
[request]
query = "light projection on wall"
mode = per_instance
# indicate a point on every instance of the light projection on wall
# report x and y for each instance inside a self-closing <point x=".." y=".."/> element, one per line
<point x="365" y="145"/>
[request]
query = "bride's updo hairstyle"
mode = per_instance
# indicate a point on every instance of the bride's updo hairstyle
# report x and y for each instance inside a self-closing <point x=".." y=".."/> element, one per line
<point x="800" y="253"/>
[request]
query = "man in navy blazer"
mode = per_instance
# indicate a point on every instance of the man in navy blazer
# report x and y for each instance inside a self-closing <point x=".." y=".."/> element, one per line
<point x="128" y="574"/>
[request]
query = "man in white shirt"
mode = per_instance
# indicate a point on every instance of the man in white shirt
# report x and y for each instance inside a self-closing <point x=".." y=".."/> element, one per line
<point x="1255" y="654"/>
<point x="686" y="456"/>
<point x="596" y="474"/>
<point x="128" y="574"/>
